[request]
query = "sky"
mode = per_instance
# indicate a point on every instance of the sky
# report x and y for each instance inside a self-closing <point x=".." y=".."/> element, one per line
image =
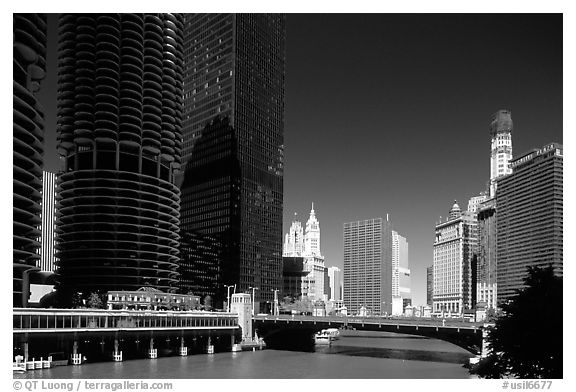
<point x="389" y="114"/>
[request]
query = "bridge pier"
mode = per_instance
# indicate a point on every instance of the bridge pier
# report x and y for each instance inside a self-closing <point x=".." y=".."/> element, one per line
<point x="76" y="356"/>
<point x="210" y="348"/>
<point x="152" y="352"/>
<point x="116" y="354"/>
<point x="25" y="350"/>
<point x="183" y="352"/>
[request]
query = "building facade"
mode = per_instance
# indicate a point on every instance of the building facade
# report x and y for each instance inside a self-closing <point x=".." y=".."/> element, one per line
<point x="529" y="204"/>
<point x="47" y="257"/>
<point x="455" y="248"/>
<point x="487" y="285"/>
<point x="476" y="201"/>
<point x="293" y="276"/>
<point x="29" y="68"/>
<point x="294" y="239"/>
<point x="335" y="279"/>
<point x="368" y="266"/>
<point x="305" y="243"/>
<point x="235" y="66"/>
<point x="429" y="285"/>
<point x="119" y="138"/>
<point x="485" y="207"/>
<point x="501" y="147"/>
<point x="199" y="268"/>
<point x="400" y="274"/>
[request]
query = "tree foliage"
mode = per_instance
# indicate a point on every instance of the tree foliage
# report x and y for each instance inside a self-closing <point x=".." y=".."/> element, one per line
<point x="95" y="301"/>
<point x="526" y="340"/>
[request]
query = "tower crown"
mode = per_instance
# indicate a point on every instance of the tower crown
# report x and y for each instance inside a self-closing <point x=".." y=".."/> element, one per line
<point x="455" y="212"/>
<point x="501" y="122"/>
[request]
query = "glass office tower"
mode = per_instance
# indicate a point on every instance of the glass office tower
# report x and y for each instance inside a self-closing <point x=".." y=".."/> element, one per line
<point x="233" y="146"/>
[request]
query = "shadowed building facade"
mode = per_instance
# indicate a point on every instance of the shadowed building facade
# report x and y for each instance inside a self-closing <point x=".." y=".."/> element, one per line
<point x="119" y="138"/>
<point x="29" y="68"/>
<point x="529" y="203"/>
<point x="234" y="95"/>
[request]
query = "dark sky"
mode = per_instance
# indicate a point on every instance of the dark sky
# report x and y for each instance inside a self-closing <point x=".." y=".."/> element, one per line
<point x="389" y="113"/>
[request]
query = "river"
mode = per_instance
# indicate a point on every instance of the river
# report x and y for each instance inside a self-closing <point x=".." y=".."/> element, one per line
<point x="356" y="355"/>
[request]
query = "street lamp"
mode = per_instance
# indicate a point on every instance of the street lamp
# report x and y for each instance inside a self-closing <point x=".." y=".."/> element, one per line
<point x="275" y="301"/>
<point x="253" y="292"/>
<point x="228" y="294"/>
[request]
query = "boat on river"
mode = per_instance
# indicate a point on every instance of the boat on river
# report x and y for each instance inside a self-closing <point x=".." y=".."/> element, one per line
<point x="326" y="336"/>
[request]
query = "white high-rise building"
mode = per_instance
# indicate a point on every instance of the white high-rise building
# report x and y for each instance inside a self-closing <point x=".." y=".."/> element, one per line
<point x="501" y="147"/>
<point x="454" y="247"/>
<point x="475" y="201"/>
<point x="294" y="240"/>
<point x="335" y="277"/>
<point x="47" y="258"/>
<point x="400" y="273"/>
<point x="312" y="235"/>
<point x="307" y="246"/>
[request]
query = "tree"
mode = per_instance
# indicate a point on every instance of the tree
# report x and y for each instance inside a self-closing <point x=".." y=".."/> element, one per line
<point x="76" y="300"/>
<point x="94" y="301"/>
<point x="526" y="340"/>
<point x="208" y="302"/>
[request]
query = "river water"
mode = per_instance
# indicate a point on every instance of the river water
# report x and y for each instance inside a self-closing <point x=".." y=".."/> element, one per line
<point x="356" y="355"/>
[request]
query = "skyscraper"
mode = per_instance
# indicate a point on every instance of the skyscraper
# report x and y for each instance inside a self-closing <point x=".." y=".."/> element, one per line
<point x="485" y="207"/>
<point x="29" y="67"/>
<point x="335" y="278"/>
<point x="368" y="265"/>
<point x="429" y="285"/>
<point x="119" y="134"/>
<point x="487" y="286"/>
<point x="235" y="70"/>
<point x="455" y="246"/>
<point x="47" y="259"/>
<point x="305" y="243"/>
<point x="294" y="240"/>
<point x="529" y="203"/>
<point x="501" y="147"/>
<point x="400" y="273"/>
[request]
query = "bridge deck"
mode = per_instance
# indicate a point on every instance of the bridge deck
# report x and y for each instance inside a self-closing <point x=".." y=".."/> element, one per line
<point x="90" y="320"/>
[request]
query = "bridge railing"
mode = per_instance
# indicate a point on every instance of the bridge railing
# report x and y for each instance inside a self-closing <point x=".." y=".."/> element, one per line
<point x="94" y="319"/>
<point x="437" y="322"/>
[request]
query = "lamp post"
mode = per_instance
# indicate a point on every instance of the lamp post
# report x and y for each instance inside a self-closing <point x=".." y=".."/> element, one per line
<point x="228" y="295"/>
<point x="275" y="301"/>
<point x="253" y="293"/>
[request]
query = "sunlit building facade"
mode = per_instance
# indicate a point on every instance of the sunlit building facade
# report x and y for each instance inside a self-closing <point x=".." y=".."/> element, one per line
<point x="368" y="266"/>
<point x="455" y="246"/>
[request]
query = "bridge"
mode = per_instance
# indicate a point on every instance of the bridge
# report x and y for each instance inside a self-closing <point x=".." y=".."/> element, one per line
<point x="282" y="328"/>
<point x="120" y="334"/>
